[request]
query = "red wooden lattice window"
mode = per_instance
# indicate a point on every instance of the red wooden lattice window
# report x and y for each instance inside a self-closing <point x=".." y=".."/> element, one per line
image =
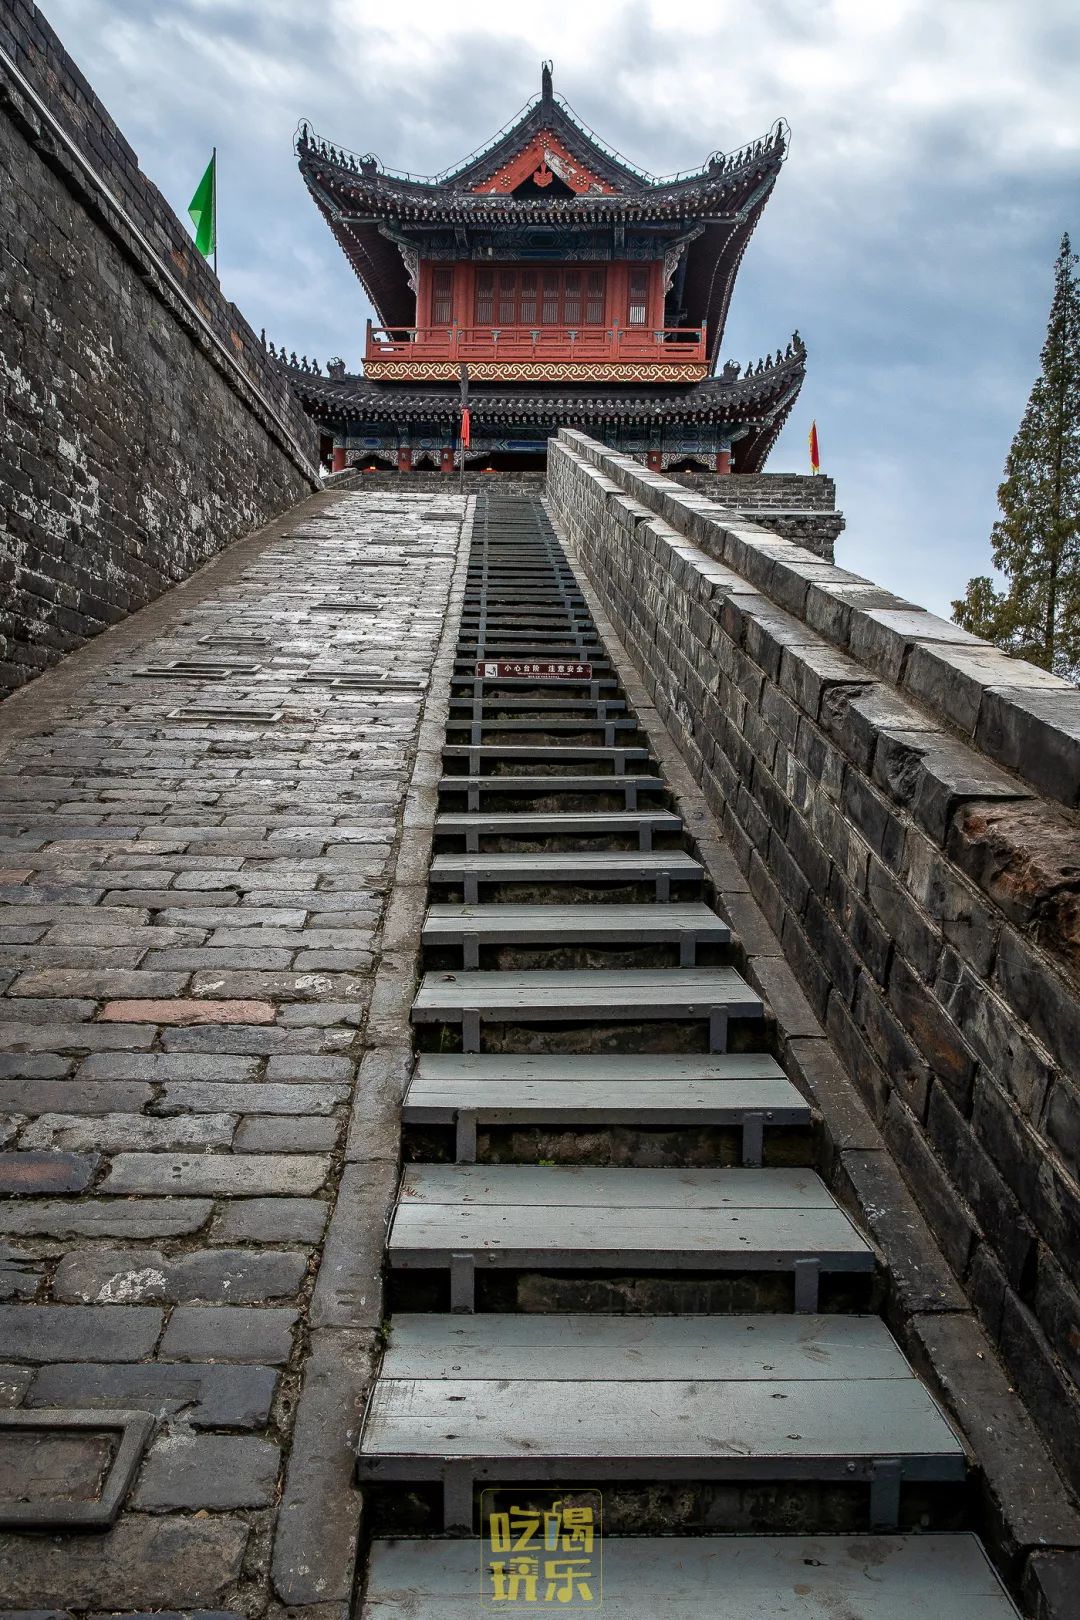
<point x="512" y="296"/>
<point x="639" y="296"/>
<point x="594" y="298"/>
<point x="485" y="298"/>
<point x="442" y="288"/>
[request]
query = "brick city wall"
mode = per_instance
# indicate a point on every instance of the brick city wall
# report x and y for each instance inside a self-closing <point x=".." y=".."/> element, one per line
<point x="902" y="799"/>
<point x="140" y="435"/>
<point x="799" y="492"/>
<point x="796" y="506"/>
<point x="792" y="505"/>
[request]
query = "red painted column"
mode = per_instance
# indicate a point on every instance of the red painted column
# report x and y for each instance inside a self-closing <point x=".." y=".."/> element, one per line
<point x="723" y="461"/>
<point x="404" y="459"/>
<point x="339" y="457"/>
<point x="446" y="460"/>
<point x="652" y="460"/>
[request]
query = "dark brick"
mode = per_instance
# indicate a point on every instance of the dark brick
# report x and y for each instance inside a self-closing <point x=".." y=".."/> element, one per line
<point x="208" y="1471"/>
<point x="1056" y="1304"/>
<point x="907" y="1071"/>
<point x="986" y="1284"/>
<point x="869" y="941"/>
<point x="141" y="1560"/>
<point x="1040" y="996"/>
<point x="869" y="1078"/>
<point x="936" y="1036"/>
<point x="216" y="1396"/>
<point x="971" y="1170"/>
<point x="807" y="853"/>
<point x="807" y="966"/>
<point x="27" y="1173"/>
<point x="77" y="1332"/>
<point x="1049" y="1395"/>
<point x="229" y="1333"/>
<point x="270" y="1220"/>
<point x="993" y="1034"/>
<point x="1024" y="1497"/>
<point x="286" y="1133"/>
<point x="1036" y="732"/>
<point x="836" y="951"/>
<point x="917" y="1273"/>
<point x="1052" y="1585"/>
<point x="233" y="1276"/>
<point x="1062" y="1121"/>
<point x="883" y="830"/>
<point x="853" y="717"/>
<point x="903" y="922"/>
<point x="1049" y="1198"/>
<point x="950" y="1221"/>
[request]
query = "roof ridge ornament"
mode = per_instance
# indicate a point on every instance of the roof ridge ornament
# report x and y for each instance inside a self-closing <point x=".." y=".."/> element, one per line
<point x="547" y="93"/>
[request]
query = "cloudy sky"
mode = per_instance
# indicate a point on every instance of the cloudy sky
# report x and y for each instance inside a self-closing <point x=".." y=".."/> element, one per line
<point x="936" y="149"/>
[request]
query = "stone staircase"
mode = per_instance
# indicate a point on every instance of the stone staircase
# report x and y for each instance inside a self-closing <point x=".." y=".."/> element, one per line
<point x="612" y="1263"/>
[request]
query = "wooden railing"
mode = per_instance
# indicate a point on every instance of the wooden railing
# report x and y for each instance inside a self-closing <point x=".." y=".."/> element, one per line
<point x="665" y="345"/>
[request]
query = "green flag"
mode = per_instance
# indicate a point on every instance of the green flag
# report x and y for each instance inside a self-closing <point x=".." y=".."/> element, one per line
<point x="203" y="210"/>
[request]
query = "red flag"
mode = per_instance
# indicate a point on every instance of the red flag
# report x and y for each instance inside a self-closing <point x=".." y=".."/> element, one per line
<point x="815" y="459"/>
<point x="465" y="429"/>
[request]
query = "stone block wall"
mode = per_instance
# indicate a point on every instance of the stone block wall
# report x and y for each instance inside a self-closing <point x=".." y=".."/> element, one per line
<point x="902" y="798"/>
<point x="142" y="424"/>
<point x="797" y="492"/>
<point x="796" y="506"/>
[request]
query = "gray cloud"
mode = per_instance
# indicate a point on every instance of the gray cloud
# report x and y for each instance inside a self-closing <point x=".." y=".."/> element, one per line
<point x="910" y="237"/>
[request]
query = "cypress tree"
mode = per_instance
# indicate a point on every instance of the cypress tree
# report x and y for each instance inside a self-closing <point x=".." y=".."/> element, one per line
<point x="1035" y="543"/>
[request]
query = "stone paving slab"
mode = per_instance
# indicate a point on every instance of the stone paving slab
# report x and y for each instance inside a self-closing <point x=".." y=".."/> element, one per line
<point x="195" y="866"/>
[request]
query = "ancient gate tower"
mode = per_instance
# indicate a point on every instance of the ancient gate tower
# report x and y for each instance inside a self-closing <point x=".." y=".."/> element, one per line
<point x="579" y="291"/>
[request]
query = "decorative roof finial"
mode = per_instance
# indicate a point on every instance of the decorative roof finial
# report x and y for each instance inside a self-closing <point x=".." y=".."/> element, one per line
<point x="546" y="92"/>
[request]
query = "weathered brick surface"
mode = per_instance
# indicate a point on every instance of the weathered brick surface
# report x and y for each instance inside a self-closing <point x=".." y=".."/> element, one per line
<point x="175" y="1168"/>
<point x="925" y="896"/>
<point x="795" y="506"/>
<point x="132" y="444"/>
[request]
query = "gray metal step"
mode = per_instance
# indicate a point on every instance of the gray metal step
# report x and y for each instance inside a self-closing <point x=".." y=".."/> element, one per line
<point x="585" y="1399"/>
<point x="569" y="866"/>
<point x="467" y="1090"/>
<point x="468" y="651"/>
<point x="476" y="786"/>
<point x="557" y="823"/>
<point x="543" y="723"/>
<point x="563" y="705"/>
<point x="600" y="995"/>
<point x="920" y="1577"/>
<point x="481" y="754"/>
<point x="494" y="631"/>
<point x="652" y="923"/>
<point x="622" y="865"/>
<point x="464" y="1217"/>
<point x="596" y="683"/>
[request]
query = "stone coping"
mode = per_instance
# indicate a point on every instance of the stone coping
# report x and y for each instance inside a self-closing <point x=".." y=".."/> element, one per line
<point x="1017" y="714"/>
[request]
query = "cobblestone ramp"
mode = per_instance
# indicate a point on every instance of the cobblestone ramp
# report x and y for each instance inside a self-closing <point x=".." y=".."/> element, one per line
<point x="612" y="1262"/>
<point x="201" y="813"/>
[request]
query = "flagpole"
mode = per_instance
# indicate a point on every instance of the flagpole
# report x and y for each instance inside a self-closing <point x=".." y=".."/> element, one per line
<point x="213" y="159"/>
<point x="463" y="377"/>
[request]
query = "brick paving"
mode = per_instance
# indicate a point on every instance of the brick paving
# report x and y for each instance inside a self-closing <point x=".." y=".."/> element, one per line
<point x="195" y="867"/>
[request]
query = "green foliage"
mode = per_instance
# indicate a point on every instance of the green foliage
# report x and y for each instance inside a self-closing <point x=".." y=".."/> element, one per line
<point x="1035" y="543"/>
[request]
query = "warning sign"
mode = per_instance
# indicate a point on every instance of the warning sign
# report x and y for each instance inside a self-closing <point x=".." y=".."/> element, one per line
<point x="534" y="669"/>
